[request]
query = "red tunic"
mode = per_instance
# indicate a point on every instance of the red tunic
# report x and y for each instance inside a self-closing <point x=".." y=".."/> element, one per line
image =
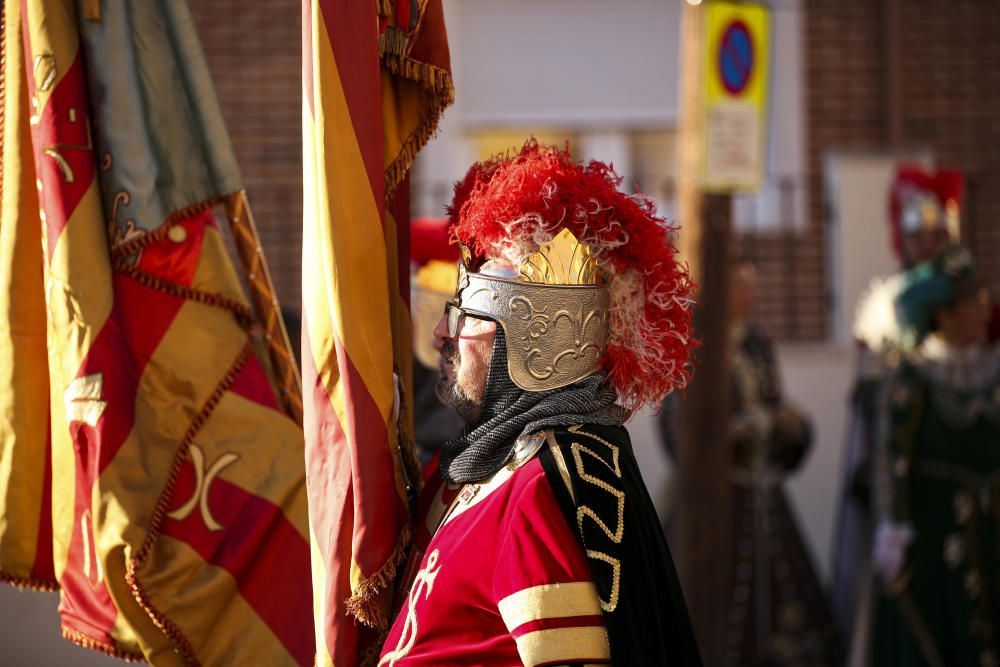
<point x="503" y="581"/>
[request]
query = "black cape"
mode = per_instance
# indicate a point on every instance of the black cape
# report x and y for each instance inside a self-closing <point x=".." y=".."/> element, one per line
<point x="596" y="480"/>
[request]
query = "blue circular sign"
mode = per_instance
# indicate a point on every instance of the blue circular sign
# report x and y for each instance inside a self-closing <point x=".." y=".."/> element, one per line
<point x="736" y="57"/>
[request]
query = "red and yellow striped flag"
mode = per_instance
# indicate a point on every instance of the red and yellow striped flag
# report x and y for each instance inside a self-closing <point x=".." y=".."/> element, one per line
<point x="148" y="471"/>
<point x="25" y="473"/>
<point x="376" y="80"/>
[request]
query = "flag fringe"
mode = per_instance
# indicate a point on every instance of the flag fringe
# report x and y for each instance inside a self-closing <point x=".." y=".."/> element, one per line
<point x="439" y="83"/>
<point x="393" y="42"/>
<point x="30" y="583"/>
<point x="92" y="10"/>
<point x="385" y="7"/>
<point x="395" y="46"/>
<point x="112" y="650"/>
<point x="364" y="603"/>
<point x="167" y="626"/>
<point x="129" y="248"/>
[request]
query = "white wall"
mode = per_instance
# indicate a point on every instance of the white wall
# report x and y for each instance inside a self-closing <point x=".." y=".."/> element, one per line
<point x="537" y="62"/>
<point x="818" y="378"/>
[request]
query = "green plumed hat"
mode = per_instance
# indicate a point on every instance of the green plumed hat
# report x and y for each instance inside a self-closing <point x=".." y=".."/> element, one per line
<point x="930" y="287"/>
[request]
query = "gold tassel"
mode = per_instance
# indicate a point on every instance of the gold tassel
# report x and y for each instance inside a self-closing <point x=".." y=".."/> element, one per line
<point x="393" y="42"/>
<point x="92" y="10"/>
<point x="368" y="603"/>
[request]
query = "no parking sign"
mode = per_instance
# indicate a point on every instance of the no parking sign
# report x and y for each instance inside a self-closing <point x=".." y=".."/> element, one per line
<point x="736" y="72"/>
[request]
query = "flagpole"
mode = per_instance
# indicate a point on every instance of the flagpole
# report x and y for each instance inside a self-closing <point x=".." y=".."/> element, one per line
<point x="265" y="302"/>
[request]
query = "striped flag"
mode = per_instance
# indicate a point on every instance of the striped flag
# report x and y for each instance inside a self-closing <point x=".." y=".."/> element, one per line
<point x="376" y="78"/>
<point x="149" y="471"/>
<point x="25" y="473"/>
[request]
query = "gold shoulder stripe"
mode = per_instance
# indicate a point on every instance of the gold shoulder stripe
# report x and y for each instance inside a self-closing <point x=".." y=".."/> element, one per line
<point x="559" y="645"/>
<point x="549" y="601"/>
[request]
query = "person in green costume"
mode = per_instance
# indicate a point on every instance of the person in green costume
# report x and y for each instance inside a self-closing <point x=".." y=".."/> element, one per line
<point x="936" y="546"/>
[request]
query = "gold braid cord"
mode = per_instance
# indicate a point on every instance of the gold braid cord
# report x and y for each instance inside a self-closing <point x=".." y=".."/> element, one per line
<point x="29" y="583"/>
<point x="395" y="47"/>
<point x="242" y="314"/>
<point x="113" y="650"/>
<point x="265" y="302"/>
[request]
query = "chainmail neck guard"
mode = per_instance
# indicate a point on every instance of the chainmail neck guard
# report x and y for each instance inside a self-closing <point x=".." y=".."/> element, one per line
<point x="509" y="412"/>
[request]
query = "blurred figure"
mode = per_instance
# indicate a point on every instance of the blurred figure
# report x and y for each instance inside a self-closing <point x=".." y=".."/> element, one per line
<point x="936" y="549"/>
<point x="924" y="213"/>
<point x="778" y="613"/>
<point x="923" y="218"/>
<point x="434" y="273"/>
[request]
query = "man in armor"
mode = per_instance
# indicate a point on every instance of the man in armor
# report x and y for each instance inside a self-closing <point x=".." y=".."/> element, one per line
<point x="539" y="544"/>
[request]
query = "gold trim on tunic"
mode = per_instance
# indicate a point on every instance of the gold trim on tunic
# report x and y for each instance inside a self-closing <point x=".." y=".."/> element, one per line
<point x="550" y="601"/>
<point x="558" y="645"/>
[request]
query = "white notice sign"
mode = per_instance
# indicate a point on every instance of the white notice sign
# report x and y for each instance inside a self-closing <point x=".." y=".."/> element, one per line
<point x="732" y="144"/>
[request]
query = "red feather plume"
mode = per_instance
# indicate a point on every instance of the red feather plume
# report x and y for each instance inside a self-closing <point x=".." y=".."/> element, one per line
<point x="946" y="185"/>
<point x="509" y="205"/>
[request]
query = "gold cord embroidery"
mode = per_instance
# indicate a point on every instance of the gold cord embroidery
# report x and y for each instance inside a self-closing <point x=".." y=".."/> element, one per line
<point x="616" y="577"/>
<point x="557" y="646"/>
<point x="616" y="535"/>
<point x="408" y="635"/>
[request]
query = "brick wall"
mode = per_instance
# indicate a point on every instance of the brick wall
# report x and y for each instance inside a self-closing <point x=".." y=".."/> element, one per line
<point x="254" y="52"/>
<point x="951" y="90"/>
<point x="950" y="86"/>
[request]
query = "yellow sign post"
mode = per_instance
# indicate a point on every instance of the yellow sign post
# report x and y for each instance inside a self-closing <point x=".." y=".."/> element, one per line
<point x="736" y="74"/>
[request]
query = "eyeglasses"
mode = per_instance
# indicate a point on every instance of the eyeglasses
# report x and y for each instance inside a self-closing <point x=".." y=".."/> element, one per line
<point x="453" y="313"/>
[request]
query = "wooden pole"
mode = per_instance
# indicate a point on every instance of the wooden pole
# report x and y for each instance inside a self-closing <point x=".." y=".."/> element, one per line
<point x="702" y="541"/>
<point x="265" y="303"/>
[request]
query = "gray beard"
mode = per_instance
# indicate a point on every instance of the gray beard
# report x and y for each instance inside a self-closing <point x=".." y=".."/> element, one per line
<point x="508" y="412"/>
<point x="449" y="393"/>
